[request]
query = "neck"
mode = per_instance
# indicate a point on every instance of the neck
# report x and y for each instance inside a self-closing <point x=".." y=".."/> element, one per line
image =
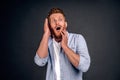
<point x="58" y="39"/>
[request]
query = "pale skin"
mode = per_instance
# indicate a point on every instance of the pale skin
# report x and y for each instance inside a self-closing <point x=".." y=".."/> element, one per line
<point x="57" y="19"/>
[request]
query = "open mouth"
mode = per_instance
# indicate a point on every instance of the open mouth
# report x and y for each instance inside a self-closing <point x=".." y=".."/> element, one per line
<point x="58" y="28"/>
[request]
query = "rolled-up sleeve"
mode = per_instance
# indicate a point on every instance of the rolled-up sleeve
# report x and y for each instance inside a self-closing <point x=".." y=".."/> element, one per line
<point x="40" y="61"/>
<point x="82" y="50"/>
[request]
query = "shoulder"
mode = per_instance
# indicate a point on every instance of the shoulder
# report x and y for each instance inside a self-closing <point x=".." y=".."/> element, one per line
<point x="77" y="38"/>
<point x="75" y="35"/>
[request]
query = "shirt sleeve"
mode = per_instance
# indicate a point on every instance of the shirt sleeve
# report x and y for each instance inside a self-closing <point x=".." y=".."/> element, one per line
<point x="82" y="50"/>
<point x="40" y="61"/>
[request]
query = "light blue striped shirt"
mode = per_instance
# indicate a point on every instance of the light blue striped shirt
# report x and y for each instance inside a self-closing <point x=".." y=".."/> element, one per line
<point x="68" y="72"/>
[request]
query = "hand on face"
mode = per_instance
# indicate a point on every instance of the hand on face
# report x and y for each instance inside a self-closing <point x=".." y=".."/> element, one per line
<point x="64" y="40"/>
<point x="46" y="27"/>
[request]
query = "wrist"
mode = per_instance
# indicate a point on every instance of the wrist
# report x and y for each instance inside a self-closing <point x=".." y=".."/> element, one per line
<point x="46" y="35"/>
<point x="65" y="47"/>
<point x="66" y="50"/>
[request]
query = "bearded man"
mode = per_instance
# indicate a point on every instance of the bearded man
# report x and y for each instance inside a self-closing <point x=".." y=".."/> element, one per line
<point x="66" y="54"/>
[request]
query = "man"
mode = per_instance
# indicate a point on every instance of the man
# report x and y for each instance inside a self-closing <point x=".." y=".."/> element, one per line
<point x="66" y="53"/>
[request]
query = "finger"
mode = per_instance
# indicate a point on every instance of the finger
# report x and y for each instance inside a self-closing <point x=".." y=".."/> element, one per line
<point x="65" y="33"/>
<point x="46" y="22"/>
<point x="64" y="36"/>
<point x="62" y="33"/>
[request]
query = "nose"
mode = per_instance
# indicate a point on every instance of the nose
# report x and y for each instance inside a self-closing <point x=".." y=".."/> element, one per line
<point x="57" y="22"/>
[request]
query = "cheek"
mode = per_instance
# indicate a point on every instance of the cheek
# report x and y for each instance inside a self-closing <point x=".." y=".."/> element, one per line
<point x="52" y="26"/>
<point x="62" y="24"/>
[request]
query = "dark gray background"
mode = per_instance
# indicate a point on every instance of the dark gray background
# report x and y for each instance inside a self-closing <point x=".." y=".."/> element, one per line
<point x="22" y="29"/>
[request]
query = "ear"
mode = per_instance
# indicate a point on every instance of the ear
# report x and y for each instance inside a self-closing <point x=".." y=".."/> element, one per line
<point x="66" y="24"/>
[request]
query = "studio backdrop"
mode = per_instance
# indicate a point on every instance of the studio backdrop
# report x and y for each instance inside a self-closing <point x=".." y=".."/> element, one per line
<point x="97" y="20"/>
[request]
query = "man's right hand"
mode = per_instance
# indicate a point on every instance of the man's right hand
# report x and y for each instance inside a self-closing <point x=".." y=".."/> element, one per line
<point x="42" y="51"/>
<point x="46" y="28"/>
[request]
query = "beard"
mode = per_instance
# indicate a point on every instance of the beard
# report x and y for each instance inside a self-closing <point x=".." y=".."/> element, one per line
<point x="56" y="32"/>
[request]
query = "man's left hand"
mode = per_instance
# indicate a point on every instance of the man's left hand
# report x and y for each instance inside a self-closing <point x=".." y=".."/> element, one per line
<point x="64" y="40"/>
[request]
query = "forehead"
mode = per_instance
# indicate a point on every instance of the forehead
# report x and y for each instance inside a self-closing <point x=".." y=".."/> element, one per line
<point x="56" y="15"/>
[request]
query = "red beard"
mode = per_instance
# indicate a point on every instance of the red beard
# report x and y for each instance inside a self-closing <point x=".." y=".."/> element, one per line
<point x="56" y="33"/>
